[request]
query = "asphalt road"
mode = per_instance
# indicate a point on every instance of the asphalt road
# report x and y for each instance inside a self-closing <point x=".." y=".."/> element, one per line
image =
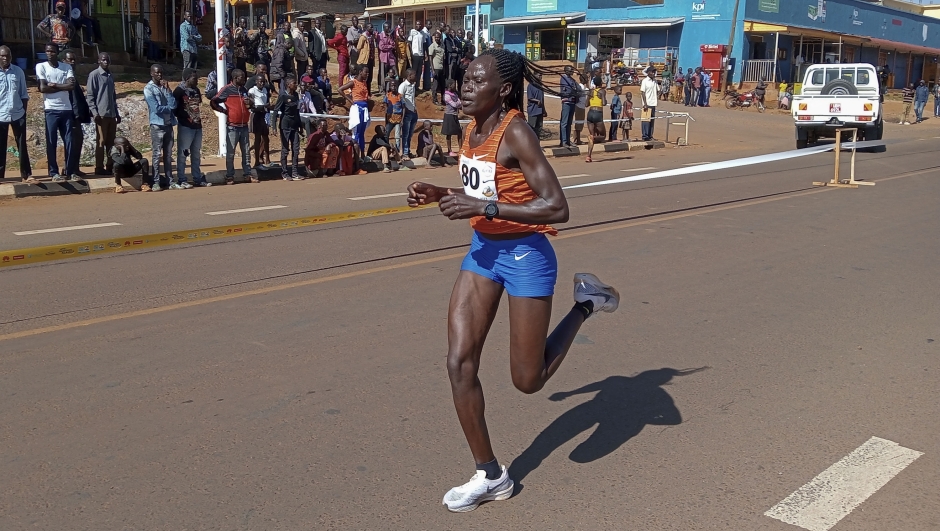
<point x="296" y="380"/>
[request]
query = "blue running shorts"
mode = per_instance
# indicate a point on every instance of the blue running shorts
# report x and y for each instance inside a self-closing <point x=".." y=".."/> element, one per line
<point x="526" y="267"/>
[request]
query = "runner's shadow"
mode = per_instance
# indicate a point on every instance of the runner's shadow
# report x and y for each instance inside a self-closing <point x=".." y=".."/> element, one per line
<point x="621" y="408"/>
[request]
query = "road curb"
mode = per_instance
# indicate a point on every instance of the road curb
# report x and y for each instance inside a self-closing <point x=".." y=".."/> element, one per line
<point x="609" y="147"/>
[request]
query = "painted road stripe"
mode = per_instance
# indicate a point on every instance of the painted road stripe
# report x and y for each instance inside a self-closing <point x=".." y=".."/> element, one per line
<point x="639" y="169"/>
<point x="237" y="211"/>
<point x="352" y="274"/>
<point x="833" y="494"/>
<point x="396" y="194"/>
<point x="63" y="229"/>
<point x="574" y="176"/>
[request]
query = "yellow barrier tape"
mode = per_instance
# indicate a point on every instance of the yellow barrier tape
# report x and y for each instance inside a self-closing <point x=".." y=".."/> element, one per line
<point x="130" y="243"/>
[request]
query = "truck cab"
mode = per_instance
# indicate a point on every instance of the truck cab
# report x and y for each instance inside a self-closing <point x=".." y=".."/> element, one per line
<point x="838" y="96"/>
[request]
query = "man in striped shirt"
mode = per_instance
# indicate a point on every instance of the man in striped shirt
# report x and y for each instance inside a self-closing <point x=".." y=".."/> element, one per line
<point x="908" y="95"/>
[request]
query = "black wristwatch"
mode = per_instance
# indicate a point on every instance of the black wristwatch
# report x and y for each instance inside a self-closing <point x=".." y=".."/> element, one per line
<point x="491" y="211"/>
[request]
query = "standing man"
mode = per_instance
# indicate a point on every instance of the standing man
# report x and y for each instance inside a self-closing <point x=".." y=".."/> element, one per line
<point x="318" y="52"/>
<point x="81" y="116"/>
<point x="366" y="58"/>
<point x="696" y="86"/>
<point x="569" y="99"/>
<point x="649" y="95"/>
<point x="13" y="100"/>
<point x="536" y="106"/>
<point x="920" y="100"/>
<point x="401" y="45"/>
<point x="237" y="112"/>
<point x="428" y="68"/>
<point x="189" y="39"/>
<point x="418" y="53"/>
<point x="56" y="81"/>
<point x="161" y="103"/>
<point x="688" y="87"/>
<point x="705" y="92"/>
<point x="410" y="118"/>
<point x="102" y="104"/>
<point x="907" y="97"/>
<point x="189" y="133"/>
<point x="240" y="43"/>
<point x="57" y="27"/>
<point x="386" y="45"/>
<point x="301" y="50"/>
<point x="352" y="37"/>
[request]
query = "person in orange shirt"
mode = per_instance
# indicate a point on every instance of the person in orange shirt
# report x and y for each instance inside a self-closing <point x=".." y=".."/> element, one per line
<point x="358" y="97"/>
<point x="510" y="195"/>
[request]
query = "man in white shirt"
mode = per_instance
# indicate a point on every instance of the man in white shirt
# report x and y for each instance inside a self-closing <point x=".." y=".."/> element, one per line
<point x="426" y="79"/>
<point x="56" y="81"/>
<point x="649" y="95"/>
<point x="410" y="117"/>
<point x="418" y="51"/>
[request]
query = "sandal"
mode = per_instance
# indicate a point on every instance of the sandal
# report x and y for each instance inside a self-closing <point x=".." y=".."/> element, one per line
<point x="118" y="189"/>
<point x="588" y="159"/>
<point x="31" y="180"/>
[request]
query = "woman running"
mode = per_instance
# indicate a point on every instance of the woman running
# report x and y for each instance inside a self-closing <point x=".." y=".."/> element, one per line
<point x="510" y="195"/>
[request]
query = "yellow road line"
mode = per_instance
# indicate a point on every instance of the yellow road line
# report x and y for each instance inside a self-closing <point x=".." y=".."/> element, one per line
<point x="353" y="274"/>
<point x="131" y="243"/>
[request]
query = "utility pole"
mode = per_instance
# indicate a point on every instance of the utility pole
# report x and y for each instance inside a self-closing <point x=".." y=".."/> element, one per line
<point x="734" y="21"/>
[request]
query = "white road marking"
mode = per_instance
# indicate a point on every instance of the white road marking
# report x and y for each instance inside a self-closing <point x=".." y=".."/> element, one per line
<point x="253" y="209"/>
<point x="695" y="163"/>
<point x="396" y="194"/>
<point x="833" y="494"/>
<point x="639" y="169"/>
<point x="574" y="176"/>
<point x="61" y="229"/>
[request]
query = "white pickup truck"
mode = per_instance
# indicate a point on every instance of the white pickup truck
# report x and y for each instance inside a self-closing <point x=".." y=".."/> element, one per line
<point x="838" y="95"/>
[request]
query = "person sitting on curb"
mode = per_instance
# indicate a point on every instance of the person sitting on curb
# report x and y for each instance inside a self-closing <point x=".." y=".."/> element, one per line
<point x="349" y="155"/>
<point x="124" y="165"/>
<point x="381" y="149"/>
<point x="321" y="154"/>
<point x="428" y="147"/>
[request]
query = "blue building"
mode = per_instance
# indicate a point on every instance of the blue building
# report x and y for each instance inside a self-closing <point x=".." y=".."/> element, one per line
<point x="775" y="39"/>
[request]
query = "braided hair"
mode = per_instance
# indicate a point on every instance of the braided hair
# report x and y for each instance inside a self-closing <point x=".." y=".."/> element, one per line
<point x="514" y="68"/>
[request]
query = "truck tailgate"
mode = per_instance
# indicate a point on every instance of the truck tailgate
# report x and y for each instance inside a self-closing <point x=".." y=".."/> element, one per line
<point x="820" y="109"/>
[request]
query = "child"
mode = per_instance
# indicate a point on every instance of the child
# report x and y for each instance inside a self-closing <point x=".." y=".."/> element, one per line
<point x="323" y="82"/>
<point x="626" y="122"/>
<point x="348" y="151"/>
<point x="288" y="112"/>
<point x="451" y="126"/>
<point x="258" y="125"/>
<point x="427" y="147"/>
<point x="124" y="165"/>
<point x="785" y="98"/>
<point x="616" y="108"/>
<point x="394" y="113"/>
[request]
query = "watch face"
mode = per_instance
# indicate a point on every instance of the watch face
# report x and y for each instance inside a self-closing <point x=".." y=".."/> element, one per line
<point x="491" y="210"/>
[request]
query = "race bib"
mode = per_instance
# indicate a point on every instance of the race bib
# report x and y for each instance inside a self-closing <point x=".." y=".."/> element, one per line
<point x="479" y="178"/>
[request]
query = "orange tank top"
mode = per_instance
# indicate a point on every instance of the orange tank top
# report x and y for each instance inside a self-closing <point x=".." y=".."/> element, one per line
<point x="485" y="178"/>
<point x="360" y="91"/>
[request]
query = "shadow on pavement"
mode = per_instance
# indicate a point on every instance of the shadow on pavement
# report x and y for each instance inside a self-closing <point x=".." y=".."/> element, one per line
<point x="621" y="408"/>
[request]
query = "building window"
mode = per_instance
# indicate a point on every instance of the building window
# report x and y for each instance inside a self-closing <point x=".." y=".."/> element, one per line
<point x="456" y="17"/>
<point x="433" y="18"/>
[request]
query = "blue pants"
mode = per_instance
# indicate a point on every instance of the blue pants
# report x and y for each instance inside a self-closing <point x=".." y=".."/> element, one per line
<point x="60" y="123"/>
<point x="189" y="140"/>
<point x="936" y="106"/>
<point x="647" y="127"/>
<point x="407" y="130"/>
<point x="919" y="109"/>
<point x="567" y="116"/>
<point x="613" y="125"/>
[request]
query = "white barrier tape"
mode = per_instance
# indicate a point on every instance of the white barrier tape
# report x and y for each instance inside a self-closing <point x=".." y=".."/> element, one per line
<point x="666" y="115"/>
<point x="734" y="163"/>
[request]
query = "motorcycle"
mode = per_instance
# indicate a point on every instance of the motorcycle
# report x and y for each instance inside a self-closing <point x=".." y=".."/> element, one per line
<point x="743" y="100"/>
<point x="626" y="76"/>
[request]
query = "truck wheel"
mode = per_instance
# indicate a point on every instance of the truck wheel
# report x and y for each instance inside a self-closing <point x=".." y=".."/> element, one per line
<point x="879" y="131"/>
<point x="839" y="87"/>
<point x="800" y="143"/>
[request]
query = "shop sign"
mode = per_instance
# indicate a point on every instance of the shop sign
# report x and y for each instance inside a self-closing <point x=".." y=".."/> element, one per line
<point x="538" y="6"/>
<point x="818" y="11"/>
<point x="698" y="12"/>
<point x="769" y="6"/>
<point x="855" y="20"/>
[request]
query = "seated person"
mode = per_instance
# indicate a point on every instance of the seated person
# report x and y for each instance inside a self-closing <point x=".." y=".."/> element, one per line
<point x="321" y="155"/>
<point x="124" y="165"/>
<point x="427" y="147"/>
<point x="323" y="82"/>
<point x="348" y="151"/>
<point x="381" y="149"/>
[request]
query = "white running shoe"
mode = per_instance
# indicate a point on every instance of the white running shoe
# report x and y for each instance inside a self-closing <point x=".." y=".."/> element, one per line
<point x="588" y="287"/>
<point x="471" y="494"/>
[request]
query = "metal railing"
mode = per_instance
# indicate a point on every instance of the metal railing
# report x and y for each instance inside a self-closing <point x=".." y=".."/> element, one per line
<point x="755" y="69"/>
